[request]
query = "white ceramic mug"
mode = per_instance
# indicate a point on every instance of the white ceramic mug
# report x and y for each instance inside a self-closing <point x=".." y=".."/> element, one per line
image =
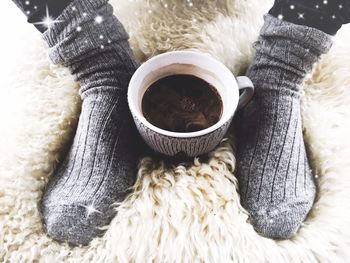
<point x="201" y="65"/>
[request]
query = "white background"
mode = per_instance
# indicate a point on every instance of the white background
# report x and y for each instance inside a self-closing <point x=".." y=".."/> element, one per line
<point x="12" y="20"/>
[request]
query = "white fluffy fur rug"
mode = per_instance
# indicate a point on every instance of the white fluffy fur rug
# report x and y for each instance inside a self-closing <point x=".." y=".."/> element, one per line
<point x="181" y="214"/>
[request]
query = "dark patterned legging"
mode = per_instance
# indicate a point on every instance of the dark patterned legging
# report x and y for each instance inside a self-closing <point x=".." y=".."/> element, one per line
<point x="36" y="10"/>
<point x="326" y="15"/>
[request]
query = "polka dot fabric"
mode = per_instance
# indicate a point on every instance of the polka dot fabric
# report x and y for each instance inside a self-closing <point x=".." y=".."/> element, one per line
<point x="325" y="15"/>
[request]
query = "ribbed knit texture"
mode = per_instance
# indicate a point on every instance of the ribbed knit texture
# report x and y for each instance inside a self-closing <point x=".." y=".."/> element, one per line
<point x="101" y="163"/>
<point x="275" y="180"/>
<point x="325" y="15"/>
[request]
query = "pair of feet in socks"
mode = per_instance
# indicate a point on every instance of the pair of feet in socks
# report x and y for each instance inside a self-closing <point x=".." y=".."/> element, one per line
<point x="275" y="179"/>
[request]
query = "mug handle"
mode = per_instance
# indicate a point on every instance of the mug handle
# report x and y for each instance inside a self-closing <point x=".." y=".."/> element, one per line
<point x="244" y="83"/>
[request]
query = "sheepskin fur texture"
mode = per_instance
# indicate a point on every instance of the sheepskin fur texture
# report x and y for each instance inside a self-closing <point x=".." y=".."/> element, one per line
<point x="176" y="213"/>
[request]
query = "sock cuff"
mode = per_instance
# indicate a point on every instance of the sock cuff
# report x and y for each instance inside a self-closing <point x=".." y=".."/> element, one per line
<point x="84" y="27"/>
<point x="286" y="52"/>
<point x="309" y="37"/>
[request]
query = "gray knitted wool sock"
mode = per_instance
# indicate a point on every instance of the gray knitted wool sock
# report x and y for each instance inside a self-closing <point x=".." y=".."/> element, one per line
<point x="101" y="163"/>
<point x="275" y="180"/>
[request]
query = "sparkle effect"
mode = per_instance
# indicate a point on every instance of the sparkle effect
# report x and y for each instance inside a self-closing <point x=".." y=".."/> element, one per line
<point x="98" y="19"/>
<point x="90" y="209"/>
<point x="300" y="15"/>
<point x="47" y="20"/>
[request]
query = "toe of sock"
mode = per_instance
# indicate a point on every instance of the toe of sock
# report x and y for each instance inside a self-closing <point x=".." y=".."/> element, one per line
<point x="280" y="222"/>
<point x="70" y="224"/>
<point x="276" y="228"/>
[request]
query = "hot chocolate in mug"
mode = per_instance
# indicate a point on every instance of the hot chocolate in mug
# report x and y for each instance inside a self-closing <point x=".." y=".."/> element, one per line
<point x="205" y="67"/>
